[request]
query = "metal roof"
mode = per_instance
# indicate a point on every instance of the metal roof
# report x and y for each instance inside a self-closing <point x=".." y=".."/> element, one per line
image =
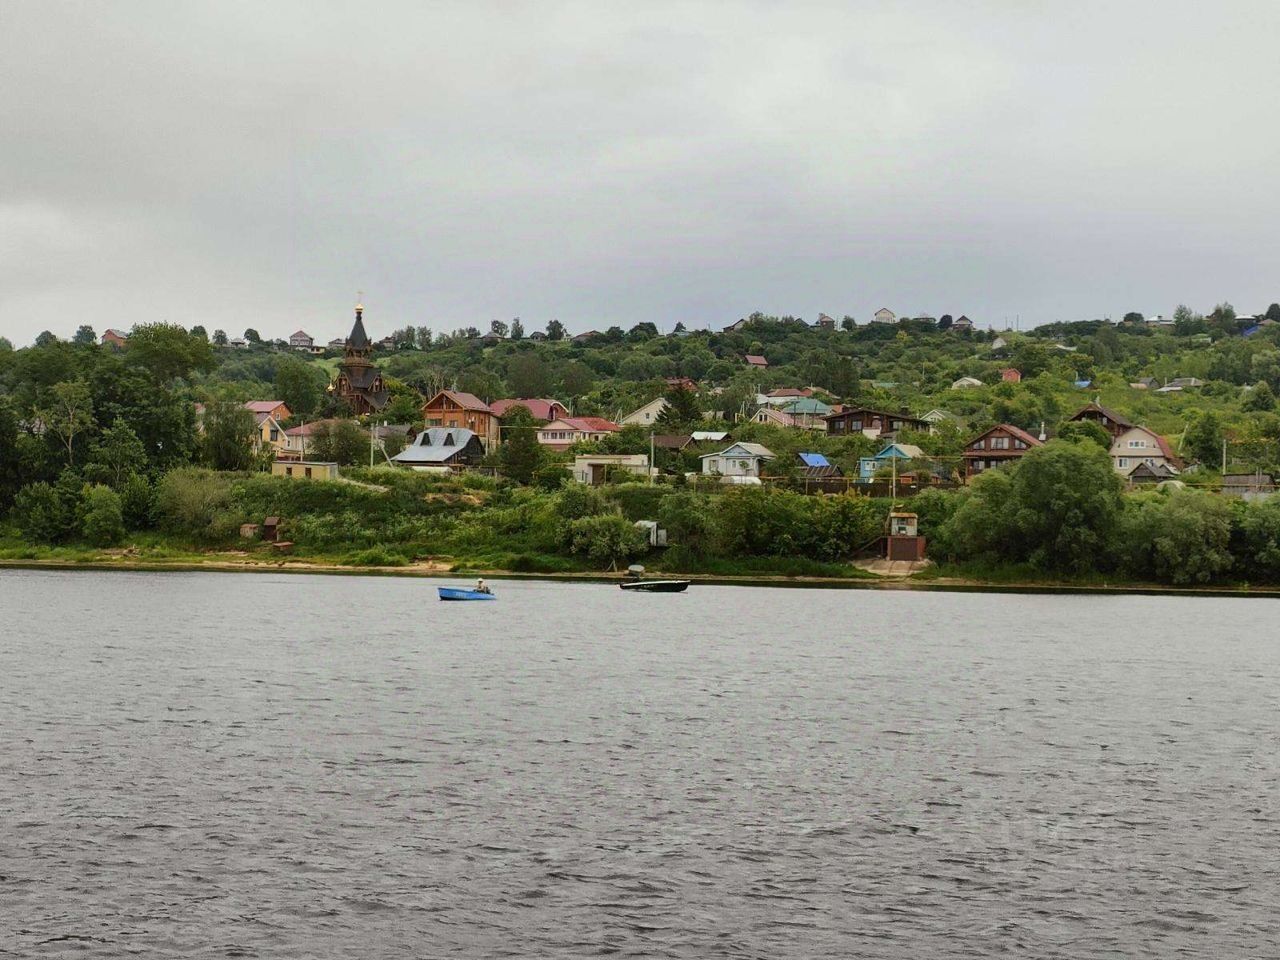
<point x="814" y="460"/>
<point x="435" y="445"/>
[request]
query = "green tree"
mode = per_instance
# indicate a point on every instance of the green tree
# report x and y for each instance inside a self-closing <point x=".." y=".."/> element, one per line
<point x="555" y="330"/>
<point x="68" y="414"/>
<point x="517" y="329"/>
<point x="528" y="375"/>
<point x="168" y="352"/>
<point x="1203" y="437"/>
<point x="300" y="385"/>
<point x="1260" y="398"/>
<point x="1085" y="430"/>
<point x="252" y="336"/>
<point x="11" y="474"/>
<point x="200" y="332"/>
<point x="1182" y="538"/>
<point x="606" y="540"/>
<point x="117" y="454"/>
<point x="681" y="411"/>
<point x="341" y="442"/>
<point x="84" y="335"/>
<point x="520" y="455"/>
<point x="687" y="518"/>
<point x="1273" y="312"/>
<point x="228" y="435"/>
<point x="102" y="518"/>
<point x="137" y="498"/>
<point x="220" y="338"/>
<point x="41" y="515"/>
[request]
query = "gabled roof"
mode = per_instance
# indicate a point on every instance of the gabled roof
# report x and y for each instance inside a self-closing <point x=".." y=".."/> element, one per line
<point x="712" y="436"/>
<point x="585" y="424"/>
<point x="742" y="449"/>
<point x="300" y="334"/>
<point x="1010" y="429"/>
<point x="755" y="360"/>
<point x="671" y="441"/>
<point x="467" y="401"/>
<point x="263" y="406"/>
<point x="1117" y="418"/>
<point x="903" y="451"/>
<point x="436" y="445"/>
<point x="541" y="409"/>
<point x="1161" y="443"/>
<point x="115" y="333"/>
<point x="813" y="460"/>
<point x="807" y="405"/>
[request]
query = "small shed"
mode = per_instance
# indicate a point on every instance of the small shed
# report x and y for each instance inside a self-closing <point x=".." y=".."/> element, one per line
<point x="904" y="541"/>
<point x="271" y="529"/>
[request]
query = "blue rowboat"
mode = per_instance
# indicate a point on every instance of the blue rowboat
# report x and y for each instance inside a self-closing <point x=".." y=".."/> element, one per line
<point x="453" y="593"/>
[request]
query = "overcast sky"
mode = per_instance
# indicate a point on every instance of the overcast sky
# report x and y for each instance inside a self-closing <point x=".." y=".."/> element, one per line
<point x="257" y="163"/>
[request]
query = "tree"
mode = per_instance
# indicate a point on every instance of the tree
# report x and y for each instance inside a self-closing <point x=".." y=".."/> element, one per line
<point x="1203" y="437"/>
<point x="228" y="435"/>
<point x="1183" y="538"/>
<point x="1085" y="430"/>
<point x="607" y="539"/>
<point x="252" y="336"/>
<point x="300" y="385"/>
<point x="498" y="328"/>
<point x="1133" y="317"/>
<point x="342" y="442"/>
<point x="424" y="338"/>
<point x="45" y="339"/>
<point x="1260" y="398"/>
<point x="1187" y="322"/>
<point x="681" y="410"/>
<point x="68" y="414"/>
<point x="41" y="515"/>
<point x="10" y="455"/>
<point x="945" y="321"/>
<point x="84" y="335"/>
<point x="528" y="375"/>
<point x="555" y="330"/>
<point x="1273" y="312"/>
<point x="679" y="327"/>
<point x="848" y="324"/>
<point x="102" y="518"/>
<point x="200" y="333"/>
<point x="645" y="330"/>
<point x="520" y="455"/>
<point x="517" y="329"/>
<point x="6" y="345"/>
<point x="220" y="337"/>
<point x="168" y="352"/>
<point x="118" y="454"/>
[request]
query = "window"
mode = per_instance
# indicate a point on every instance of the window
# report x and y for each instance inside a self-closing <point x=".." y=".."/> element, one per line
<point x="275" y="434"/>
<point x="999" y="443"/>
<point x="1137" y="444"/>
<point x="308" y="473"/>
<point x="1019" y="445"/>
<point x="1122" y="462"/>
<point x="979" y="445"/>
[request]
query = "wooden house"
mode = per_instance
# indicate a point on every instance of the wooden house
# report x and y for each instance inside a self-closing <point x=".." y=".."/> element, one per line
<point x="1000" y="445"/>
<point x="455" y="408"/>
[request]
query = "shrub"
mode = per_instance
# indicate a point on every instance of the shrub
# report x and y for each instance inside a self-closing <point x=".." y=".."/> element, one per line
<point x="41" y="515"/>
<point x="606" y="540"/>
<point x="578" y="500"/>
<point x="137" y="498"/>
<point x="188" y="501"/>
<point x="102" y="518"/>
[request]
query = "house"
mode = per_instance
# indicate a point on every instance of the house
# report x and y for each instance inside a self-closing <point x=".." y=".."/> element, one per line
<point x="297" y="440"/>
<point x="305" y="469"/>
<point x="114" y="338"/>
<point x="537" y="336"/>
<point x="563" y="432"/>
<point x="337" y="343"/>
<point x="585" y="337"/>
<point x="774" y="417"/>
<point x="594" y="469"/>
<point x="647" y="415"/>
<point x="387" y="343"/>
<point x="736" y="325"/>
<point x="814" y="466"/>
<point x="1139" y="445"/>
<point x="1000" y="445"/>
<point x="681" y="383"/>
<point x="455" y="408"/>
<point x="824" y="322"/>
<point x="884" y="315"/>
<point x="441" y="449"/>
<point x="808" y="413"/>
<point x="961" y="323"/>
<point x="871" y="423"/>
<point x="239" y="343"/>
<point x="540" y="409"/>
<point x="1114" y="423"/>
<point x="936" y="418"/>
<point x="966" y="382"/>
<point x="1178" y="384"/>
<point x="672" y="441"/>
<point x="894" y="453"/>
<point x="1010" y="375"/>
<point x="359" y="382"/>
<point x="1145" y="473"/>
<point x="301" y="340"/>
<point x="709" y="436"/>
<point x="999" y="343"/>
<point x="274" y="408"/>
<point x="784" y="395"/>
<point x="737" y="460"/>
<point x="1145" y="383"/>
<point x="755" y="360"/>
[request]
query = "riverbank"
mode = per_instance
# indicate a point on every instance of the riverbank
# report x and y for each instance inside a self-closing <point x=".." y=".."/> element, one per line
<point x="934" y="581"/>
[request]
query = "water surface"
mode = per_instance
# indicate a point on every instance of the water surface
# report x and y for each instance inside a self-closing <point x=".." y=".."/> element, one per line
<point x="212" y="765"/>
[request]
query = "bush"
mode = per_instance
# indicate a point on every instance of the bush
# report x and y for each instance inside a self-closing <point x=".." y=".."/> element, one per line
<point x="102" y="518"/>
<point x="377" y="557"/>
<point x="1182" y="538"/>
<point x="578" y="500"/>
<point x="137" y="498"/>
<point x="41" y="515"/>
<point x="189" y="500"/>
<point x="606" y="540"/>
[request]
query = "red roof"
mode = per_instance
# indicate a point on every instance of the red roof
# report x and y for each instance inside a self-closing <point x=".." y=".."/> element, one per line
<point x="540" y="409"/>
<point x="790" y="392"/>
<point x="756" y="360"/>
<point x="1013" y="431"/>
<point x="263" y="406"/>
<point x="591" y="424"/>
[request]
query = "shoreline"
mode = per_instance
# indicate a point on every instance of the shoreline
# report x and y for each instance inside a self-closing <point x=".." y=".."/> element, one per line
<point x="442" y="571"/>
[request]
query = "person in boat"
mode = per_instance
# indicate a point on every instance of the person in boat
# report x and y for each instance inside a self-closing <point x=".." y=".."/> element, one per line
<point x="482" y="587"/>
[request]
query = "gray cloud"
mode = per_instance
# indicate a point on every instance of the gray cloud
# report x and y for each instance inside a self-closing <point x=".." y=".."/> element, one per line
<point x="254" y="164"/>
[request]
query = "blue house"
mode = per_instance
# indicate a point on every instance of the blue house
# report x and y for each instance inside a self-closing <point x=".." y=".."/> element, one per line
<point x="902" y="452"/>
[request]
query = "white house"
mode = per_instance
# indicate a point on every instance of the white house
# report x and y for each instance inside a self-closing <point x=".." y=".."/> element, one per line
<point x="964" y="382"/>
<point x="737" y="460"/>
<point x="301" y="340"/>
<point x="593" y="469"/>
<point x="884" y="315"/>
<point x="773" y="417"/>
<point x="647" y="415"/>
<point x="1139" y="445"/>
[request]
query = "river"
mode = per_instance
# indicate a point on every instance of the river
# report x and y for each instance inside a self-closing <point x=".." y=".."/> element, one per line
<point x="222" y="765"/>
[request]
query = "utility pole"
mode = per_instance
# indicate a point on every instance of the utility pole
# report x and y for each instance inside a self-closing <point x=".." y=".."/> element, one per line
<point x="1224" y="456"/>
<point x="651" y="457"/>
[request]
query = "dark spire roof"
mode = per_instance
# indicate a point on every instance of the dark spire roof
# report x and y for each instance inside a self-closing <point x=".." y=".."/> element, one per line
<point x="359" y="340"/>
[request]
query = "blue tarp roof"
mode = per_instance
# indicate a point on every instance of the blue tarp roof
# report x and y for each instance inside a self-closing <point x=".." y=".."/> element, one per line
<point x="814" y="460"/>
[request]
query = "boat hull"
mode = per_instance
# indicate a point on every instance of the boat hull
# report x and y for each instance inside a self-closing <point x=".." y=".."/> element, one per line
<point x="656" y="586"/>
<point x="453" y="593"/>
